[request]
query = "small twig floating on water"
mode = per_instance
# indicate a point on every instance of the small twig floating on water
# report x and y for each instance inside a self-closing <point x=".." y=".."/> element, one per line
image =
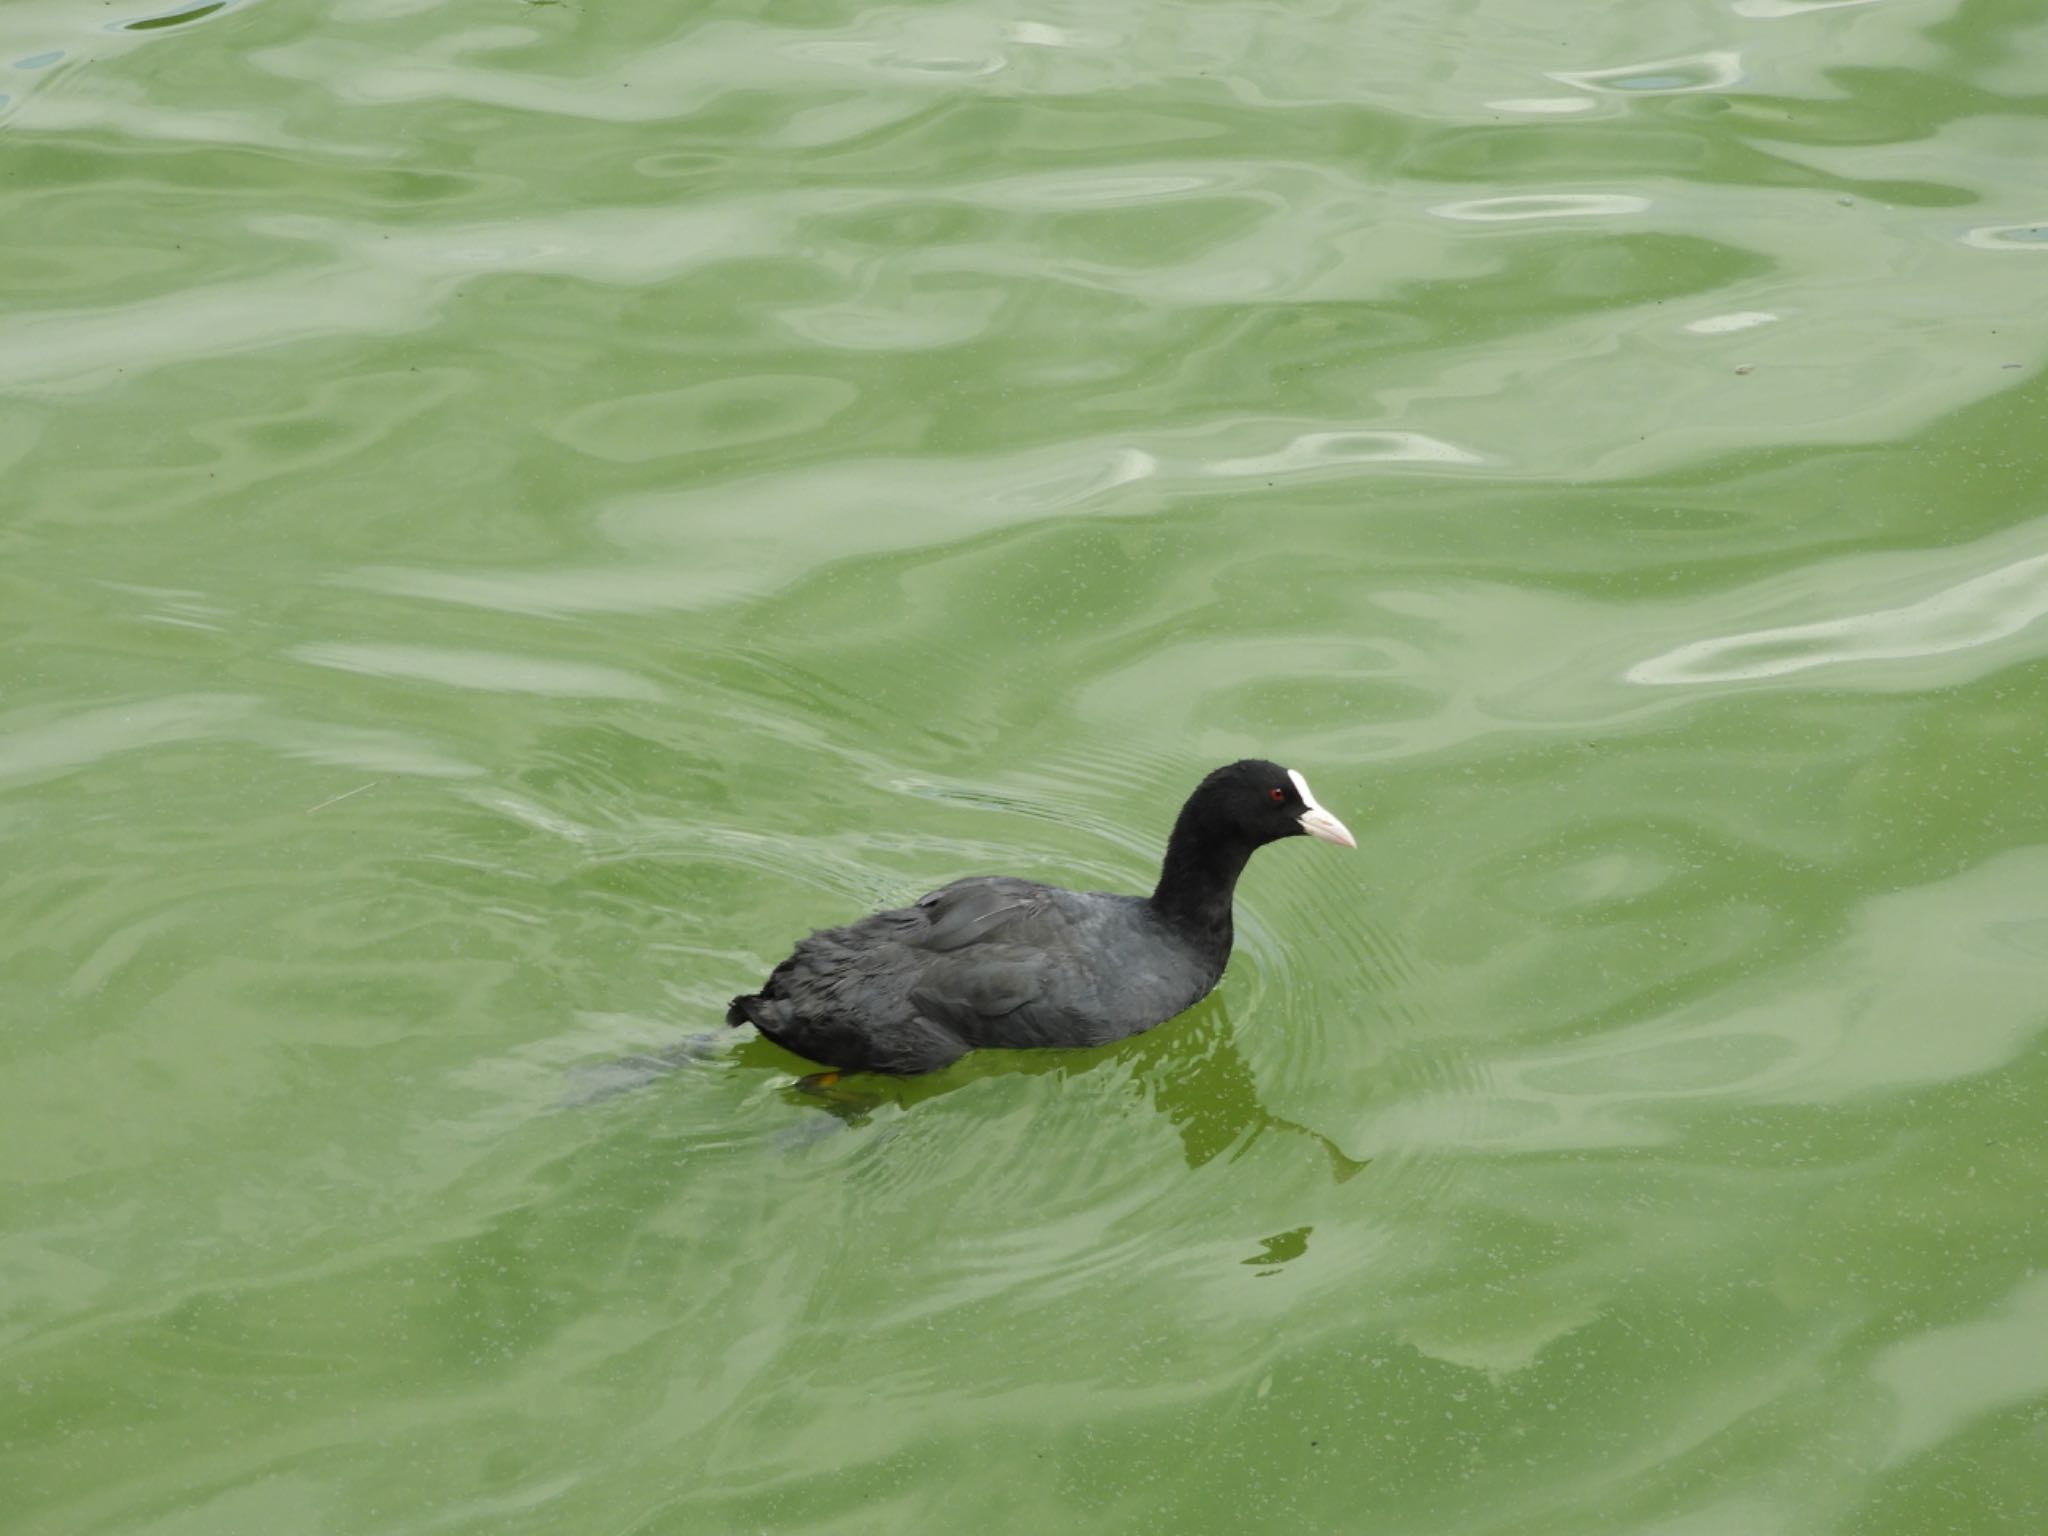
<point x="347" y="794"/>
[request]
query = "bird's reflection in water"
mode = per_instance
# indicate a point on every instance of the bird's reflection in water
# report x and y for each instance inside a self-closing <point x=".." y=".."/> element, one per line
<point x="1188" y="1069"/>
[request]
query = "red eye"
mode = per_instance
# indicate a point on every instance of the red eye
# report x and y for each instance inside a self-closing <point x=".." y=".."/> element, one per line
<point x="1279" y="794"/>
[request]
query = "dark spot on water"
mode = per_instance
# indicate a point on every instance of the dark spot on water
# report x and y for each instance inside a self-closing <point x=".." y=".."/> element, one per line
<point x="1281" y="1248"/>
<point x="174" y="18"/>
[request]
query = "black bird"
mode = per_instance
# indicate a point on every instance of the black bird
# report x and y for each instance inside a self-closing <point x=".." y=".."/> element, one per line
<point x="998" y="962"/>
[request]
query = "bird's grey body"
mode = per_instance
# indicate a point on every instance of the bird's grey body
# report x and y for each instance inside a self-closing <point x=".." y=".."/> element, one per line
<point x="999" y="962"/>
<point x="984" y="962"/>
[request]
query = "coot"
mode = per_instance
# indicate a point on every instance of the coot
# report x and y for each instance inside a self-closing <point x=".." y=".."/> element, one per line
<point x="998" y="962"/>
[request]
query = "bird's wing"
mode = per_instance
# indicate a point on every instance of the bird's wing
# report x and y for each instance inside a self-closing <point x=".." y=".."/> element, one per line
<point x="1000" y="965"/>
<point x="1009" y="995"/>
<point x="986" y="910"/>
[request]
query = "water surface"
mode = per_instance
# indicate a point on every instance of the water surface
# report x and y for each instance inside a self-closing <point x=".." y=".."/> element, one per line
<point x="515" y="511"/>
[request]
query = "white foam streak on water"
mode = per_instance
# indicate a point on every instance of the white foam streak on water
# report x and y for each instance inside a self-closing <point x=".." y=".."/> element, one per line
<point x="1545" y="106"/>
<point x="1972" y="613"/>
<point x="1713" y="71"/>
<point x="1720" y="325"/>
<point x="1542" y="205"/>
<point x="2032" y="238"/>
<point x="1333" y="450"/>
<point x="1779" y="10"/>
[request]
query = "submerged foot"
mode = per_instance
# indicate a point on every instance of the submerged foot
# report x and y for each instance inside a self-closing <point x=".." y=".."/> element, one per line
<point x="852" y="1102"/>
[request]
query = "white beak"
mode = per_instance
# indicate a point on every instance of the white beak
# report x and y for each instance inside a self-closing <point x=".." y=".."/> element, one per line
<point x="1317" y="822"/>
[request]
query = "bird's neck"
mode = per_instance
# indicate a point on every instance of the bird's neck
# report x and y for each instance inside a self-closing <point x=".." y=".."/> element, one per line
<point x="1196" y="884"/>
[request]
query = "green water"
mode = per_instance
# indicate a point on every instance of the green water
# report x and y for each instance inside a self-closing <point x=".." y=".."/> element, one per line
<point x="514" y="511"/>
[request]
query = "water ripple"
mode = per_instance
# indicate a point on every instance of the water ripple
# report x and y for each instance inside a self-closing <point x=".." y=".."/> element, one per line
<point x="1545" y="106"/>
<point x="1322" y="451"/>
<point x="1944" y="1379"/>
<point x="2009" y="237"/>
<point x="1844" y="1024"/>
<point x="1977" y="612"/>
<point x="488" y="670"/>
<point x="1713" y="71"/>
<point x="527" y="507"/>
<point x="34" y="750"/>
<point x="816" y="516"/>
<point x="1522" y="206"/>
<point x="1779" y="10"/>
<point x="1722" y="325"/>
